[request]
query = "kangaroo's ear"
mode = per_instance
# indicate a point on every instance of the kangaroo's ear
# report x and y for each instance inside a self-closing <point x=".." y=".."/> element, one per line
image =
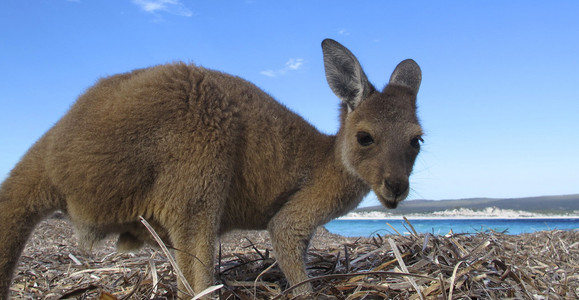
<point x="344" y="74"/>
<point x="407" y="74"/>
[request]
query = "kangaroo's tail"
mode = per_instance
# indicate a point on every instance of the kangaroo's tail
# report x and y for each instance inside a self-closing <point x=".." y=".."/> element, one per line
<point x="26" y="197"/>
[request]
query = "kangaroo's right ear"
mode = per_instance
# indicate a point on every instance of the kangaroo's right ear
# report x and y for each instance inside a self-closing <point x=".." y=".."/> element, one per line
<point x="407" y="74"/>
<point x="344" y="74"/>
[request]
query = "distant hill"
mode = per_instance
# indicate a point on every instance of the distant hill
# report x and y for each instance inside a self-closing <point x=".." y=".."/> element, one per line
<point x="544" y="204"/>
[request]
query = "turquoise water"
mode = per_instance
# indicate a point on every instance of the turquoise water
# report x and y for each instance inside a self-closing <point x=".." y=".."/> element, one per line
<point x="443" y="226"/>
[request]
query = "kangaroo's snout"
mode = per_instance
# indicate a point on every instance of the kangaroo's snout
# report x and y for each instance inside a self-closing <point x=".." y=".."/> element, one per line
<point x="396" y="186"/>
<point x="396" y="190"/>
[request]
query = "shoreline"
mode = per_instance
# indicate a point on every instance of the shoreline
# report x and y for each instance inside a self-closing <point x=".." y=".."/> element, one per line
<point x="423" y="217"/>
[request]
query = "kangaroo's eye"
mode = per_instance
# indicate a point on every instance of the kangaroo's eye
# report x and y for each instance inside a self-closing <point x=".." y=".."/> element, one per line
<point x="364" y="138"/>
<point x="415" y="142"/>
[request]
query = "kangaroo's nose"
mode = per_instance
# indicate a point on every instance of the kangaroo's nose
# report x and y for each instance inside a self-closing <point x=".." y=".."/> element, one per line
<point x="397" y="186"/>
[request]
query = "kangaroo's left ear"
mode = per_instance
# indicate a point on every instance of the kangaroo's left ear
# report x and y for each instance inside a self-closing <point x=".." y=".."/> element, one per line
<point x="407" y="74"/>
<point x="344" y="74"/>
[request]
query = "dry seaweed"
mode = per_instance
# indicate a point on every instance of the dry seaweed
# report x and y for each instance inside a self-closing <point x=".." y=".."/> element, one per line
<point x="486" y="265"/>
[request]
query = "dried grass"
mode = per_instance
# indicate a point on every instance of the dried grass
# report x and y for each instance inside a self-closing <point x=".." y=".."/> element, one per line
<point x="487" y="265"/>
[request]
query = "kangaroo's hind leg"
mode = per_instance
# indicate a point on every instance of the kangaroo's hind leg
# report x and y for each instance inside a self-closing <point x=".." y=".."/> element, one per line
<point x="190" y="209"/>
<point x="193" y="228"/>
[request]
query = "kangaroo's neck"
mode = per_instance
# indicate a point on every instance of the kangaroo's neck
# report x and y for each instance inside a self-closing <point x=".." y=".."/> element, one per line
<point x="343" y="189"/>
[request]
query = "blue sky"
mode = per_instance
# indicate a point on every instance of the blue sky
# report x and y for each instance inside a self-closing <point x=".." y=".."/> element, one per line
<point x="499" y="99"/>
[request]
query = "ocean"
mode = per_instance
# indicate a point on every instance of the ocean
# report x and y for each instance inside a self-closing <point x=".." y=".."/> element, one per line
<point x="368" y="227"/>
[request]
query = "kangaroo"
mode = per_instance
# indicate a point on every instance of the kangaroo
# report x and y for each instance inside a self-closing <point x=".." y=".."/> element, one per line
<point x="198" y="153"/>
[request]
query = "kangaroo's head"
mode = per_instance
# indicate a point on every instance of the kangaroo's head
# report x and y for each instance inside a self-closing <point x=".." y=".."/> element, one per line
<point x="380" y="135"/>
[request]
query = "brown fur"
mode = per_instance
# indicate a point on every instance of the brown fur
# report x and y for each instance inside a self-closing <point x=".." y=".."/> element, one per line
<point x="198" y="152"/>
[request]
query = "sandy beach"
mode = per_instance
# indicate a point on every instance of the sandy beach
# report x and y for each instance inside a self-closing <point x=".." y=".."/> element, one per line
<point x="460" y="213"/>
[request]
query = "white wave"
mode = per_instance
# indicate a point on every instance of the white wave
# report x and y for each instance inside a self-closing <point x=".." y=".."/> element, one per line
<point x="459" y="213"/>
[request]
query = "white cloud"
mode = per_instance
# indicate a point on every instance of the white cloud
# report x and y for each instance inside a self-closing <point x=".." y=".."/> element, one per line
<point x="293" y="64"/>
<point x="268" y="73"/>
<point x="343" y="31"/>
<point x="174" y="7"/>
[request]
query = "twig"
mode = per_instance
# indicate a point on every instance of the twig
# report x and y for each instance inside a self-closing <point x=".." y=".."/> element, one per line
<point x="393" y="228"/>
<point x="258" y="276"/>
<point x="411" y="227"/>
<point x="338" y="276"/>
<point x="74" y="259"/>
<point x="154" y="277"/>
<point x="403" y="266"/>
<point x="453" y="278"/>
<point x="347" y="256"/>
<point x="169" y="256"/>
<point x="208" y="291"/>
